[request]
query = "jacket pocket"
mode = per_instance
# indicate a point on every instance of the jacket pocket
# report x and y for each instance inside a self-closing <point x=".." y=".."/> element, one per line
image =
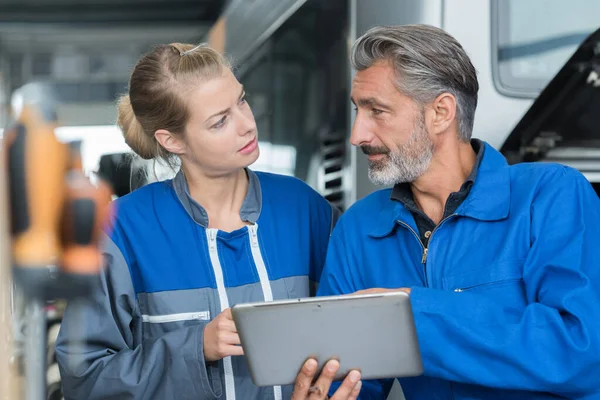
<point x="165" y="318"/>
<point x="154" y="326"/>
<point x="167" y="311"/>
<point x="486" y="284"/>
<point x="488" y="277"/>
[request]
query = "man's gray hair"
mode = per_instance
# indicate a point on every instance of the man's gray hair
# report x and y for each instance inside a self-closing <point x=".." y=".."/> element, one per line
<point x="427" y="62"/>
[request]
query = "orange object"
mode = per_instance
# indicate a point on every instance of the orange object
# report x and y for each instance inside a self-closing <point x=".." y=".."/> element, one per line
<point x="86" y="211"/>
<point x="37" y="166"/>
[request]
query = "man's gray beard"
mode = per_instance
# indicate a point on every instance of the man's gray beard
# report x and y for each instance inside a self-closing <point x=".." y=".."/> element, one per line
<point x="406" y="164"/>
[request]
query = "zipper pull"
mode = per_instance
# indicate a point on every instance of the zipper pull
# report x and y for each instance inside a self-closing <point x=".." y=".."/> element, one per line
<point x="424" y="258"/>
<point x="203" y="316"/>
<point x="253" y="235"/>
<point x="212" y="239"/>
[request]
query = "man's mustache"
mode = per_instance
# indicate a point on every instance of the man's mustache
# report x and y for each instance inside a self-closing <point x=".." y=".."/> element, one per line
<point x="373" y="150"/>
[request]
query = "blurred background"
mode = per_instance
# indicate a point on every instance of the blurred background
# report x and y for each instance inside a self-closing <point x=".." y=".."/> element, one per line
<point x="292" y="57"/>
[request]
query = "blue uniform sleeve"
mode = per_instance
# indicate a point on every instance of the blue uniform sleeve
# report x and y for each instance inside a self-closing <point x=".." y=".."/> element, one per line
<point x="336" y="280"/>
<point x="553" y="344"/>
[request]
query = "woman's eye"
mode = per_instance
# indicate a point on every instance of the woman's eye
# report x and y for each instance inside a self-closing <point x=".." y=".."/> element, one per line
<point x="221" y="123"/>
<point x="243" y="100"/>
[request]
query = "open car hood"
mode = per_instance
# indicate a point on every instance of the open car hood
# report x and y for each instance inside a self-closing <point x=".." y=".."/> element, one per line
<point x="563" y="124"/>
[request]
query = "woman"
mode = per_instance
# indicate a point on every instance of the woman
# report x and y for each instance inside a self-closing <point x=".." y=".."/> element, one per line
<point x="182" y="251"/>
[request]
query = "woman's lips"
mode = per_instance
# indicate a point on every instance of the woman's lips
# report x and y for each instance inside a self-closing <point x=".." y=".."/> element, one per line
<point x="250" y="147"/>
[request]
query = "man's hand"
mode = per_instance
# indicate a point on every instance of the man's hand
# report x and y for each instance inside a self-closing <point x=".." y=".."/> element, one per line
<point x="379" y="290"/>
<point x="305" y="390"/>
<point x="221" y="338"/>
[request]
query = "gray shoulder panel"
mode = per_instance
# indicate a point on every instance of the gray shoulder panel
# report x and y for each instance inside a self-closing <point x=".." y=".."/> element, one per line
<point x="335" y="216"/>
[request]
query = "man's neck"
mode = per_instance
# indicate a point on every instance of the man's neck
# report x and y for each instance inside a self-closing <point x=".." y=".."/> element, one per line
<point x="451" y="165"/>
<point x="221" y="196"/>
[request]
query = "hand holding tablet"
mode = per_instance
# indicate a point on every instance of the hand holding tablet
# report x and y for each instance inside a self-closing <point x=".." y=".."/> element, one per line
<point x="305" y="388"/>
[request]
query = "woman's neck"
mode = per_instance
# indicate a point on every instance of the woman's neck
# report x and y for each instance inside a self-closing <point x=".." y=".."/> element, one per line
<point x="221" y="196"/>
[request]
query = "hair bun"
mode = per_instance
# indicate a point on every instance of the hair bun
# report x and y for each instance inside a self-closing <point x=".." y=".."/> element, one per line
<point x="142" y="144"/>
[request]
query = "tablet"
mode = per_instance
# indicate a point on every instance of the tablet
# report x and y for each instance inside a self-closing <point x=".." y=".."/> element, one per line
<point x="373" y="333"/>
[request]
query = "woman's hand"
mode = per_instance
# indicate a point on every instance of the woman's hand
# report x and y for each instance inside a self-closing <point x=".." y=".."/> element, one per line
<point x="221" y="338"/>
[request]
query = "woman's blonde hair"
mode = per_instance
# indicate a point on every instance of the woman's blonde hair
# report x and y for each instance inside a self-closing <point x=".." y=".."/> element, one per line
<point x="156" y="88"/>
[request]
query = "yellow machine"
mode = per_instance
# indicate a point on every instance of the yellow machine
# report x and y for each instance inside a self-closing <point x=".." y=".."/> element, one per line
<point x="50" y="250"/>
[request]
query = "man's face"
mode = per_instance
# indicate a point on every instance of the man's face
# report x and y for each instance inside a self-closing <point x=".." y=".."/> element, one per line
<point x="389" y="127"/>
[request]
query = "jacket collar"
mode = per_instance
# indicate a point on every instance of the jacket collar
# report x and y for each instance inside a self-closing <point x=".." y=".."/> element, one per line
<point x="488" y="200"/>
<point x="403" y="193"/>
<point x="249" y="212"/>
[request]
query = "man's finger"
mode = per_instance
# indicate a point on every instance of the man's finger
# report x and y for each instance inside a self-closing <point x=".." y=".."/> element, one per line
<point x="350" y="387"/>
<point x="356" y="391"/>
<point x="321" y="387"/>
<point x="304" y="379"/>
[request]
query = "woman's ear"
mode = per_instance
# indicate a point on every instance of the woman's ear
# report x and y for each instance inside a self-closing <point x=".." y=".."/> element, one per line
<point x="173" y="144"/>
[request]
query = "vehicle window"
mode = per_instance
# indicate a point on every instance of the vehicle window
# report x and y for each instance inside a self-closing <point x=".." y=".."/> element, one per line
<point x="534" y="39"/>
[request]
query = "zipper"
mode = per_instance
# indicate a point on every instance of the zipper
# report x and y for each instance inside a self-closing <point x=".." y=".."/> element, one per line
<point x="259" y="262"/>
<point x="212" y="239"/>
<point x="159" y="319"/>
<point x="425" y="248"/>
<point x="416" y="236"/>
<point x="424" y="257"/>
<point x="263" y="277"/>
<point x="253" y="236"/>
<point x="211" y="235"/>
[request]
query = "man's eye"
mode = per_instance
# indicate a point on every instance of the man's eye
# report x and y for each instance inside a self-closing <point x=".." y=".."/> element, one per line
<point x="243" y="99"/>
<point x="376" y="111"/>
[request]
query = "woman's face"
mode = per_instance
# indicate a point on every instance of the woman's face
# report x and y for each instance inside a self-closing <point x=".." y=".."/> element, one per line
<point x="221" y="134"/>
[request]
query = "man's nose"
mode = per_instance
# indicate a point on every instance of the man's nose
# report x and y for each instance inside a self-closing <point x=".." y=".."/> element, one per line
<point x="361" y="134"/>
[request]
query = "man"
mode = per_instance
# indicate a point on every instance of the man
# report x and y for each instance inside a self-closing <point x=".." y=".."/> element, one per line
<point x="502" y="262"/>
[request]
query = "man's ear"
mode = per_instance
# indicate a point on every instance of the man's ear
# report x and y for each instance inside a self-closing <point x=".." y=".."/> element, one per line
<point x="170" y="142"/>
<point x="442" y="113"/>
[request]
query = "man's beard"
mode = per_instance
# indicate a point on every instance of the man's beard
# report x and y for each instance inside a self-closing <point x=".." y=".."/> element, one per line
<point x="406" y="164"/>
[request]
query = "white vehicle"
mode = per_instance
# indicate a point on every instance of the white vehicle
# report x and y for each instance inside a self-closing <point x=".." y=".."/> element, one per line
<point x="292" y="57"/>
